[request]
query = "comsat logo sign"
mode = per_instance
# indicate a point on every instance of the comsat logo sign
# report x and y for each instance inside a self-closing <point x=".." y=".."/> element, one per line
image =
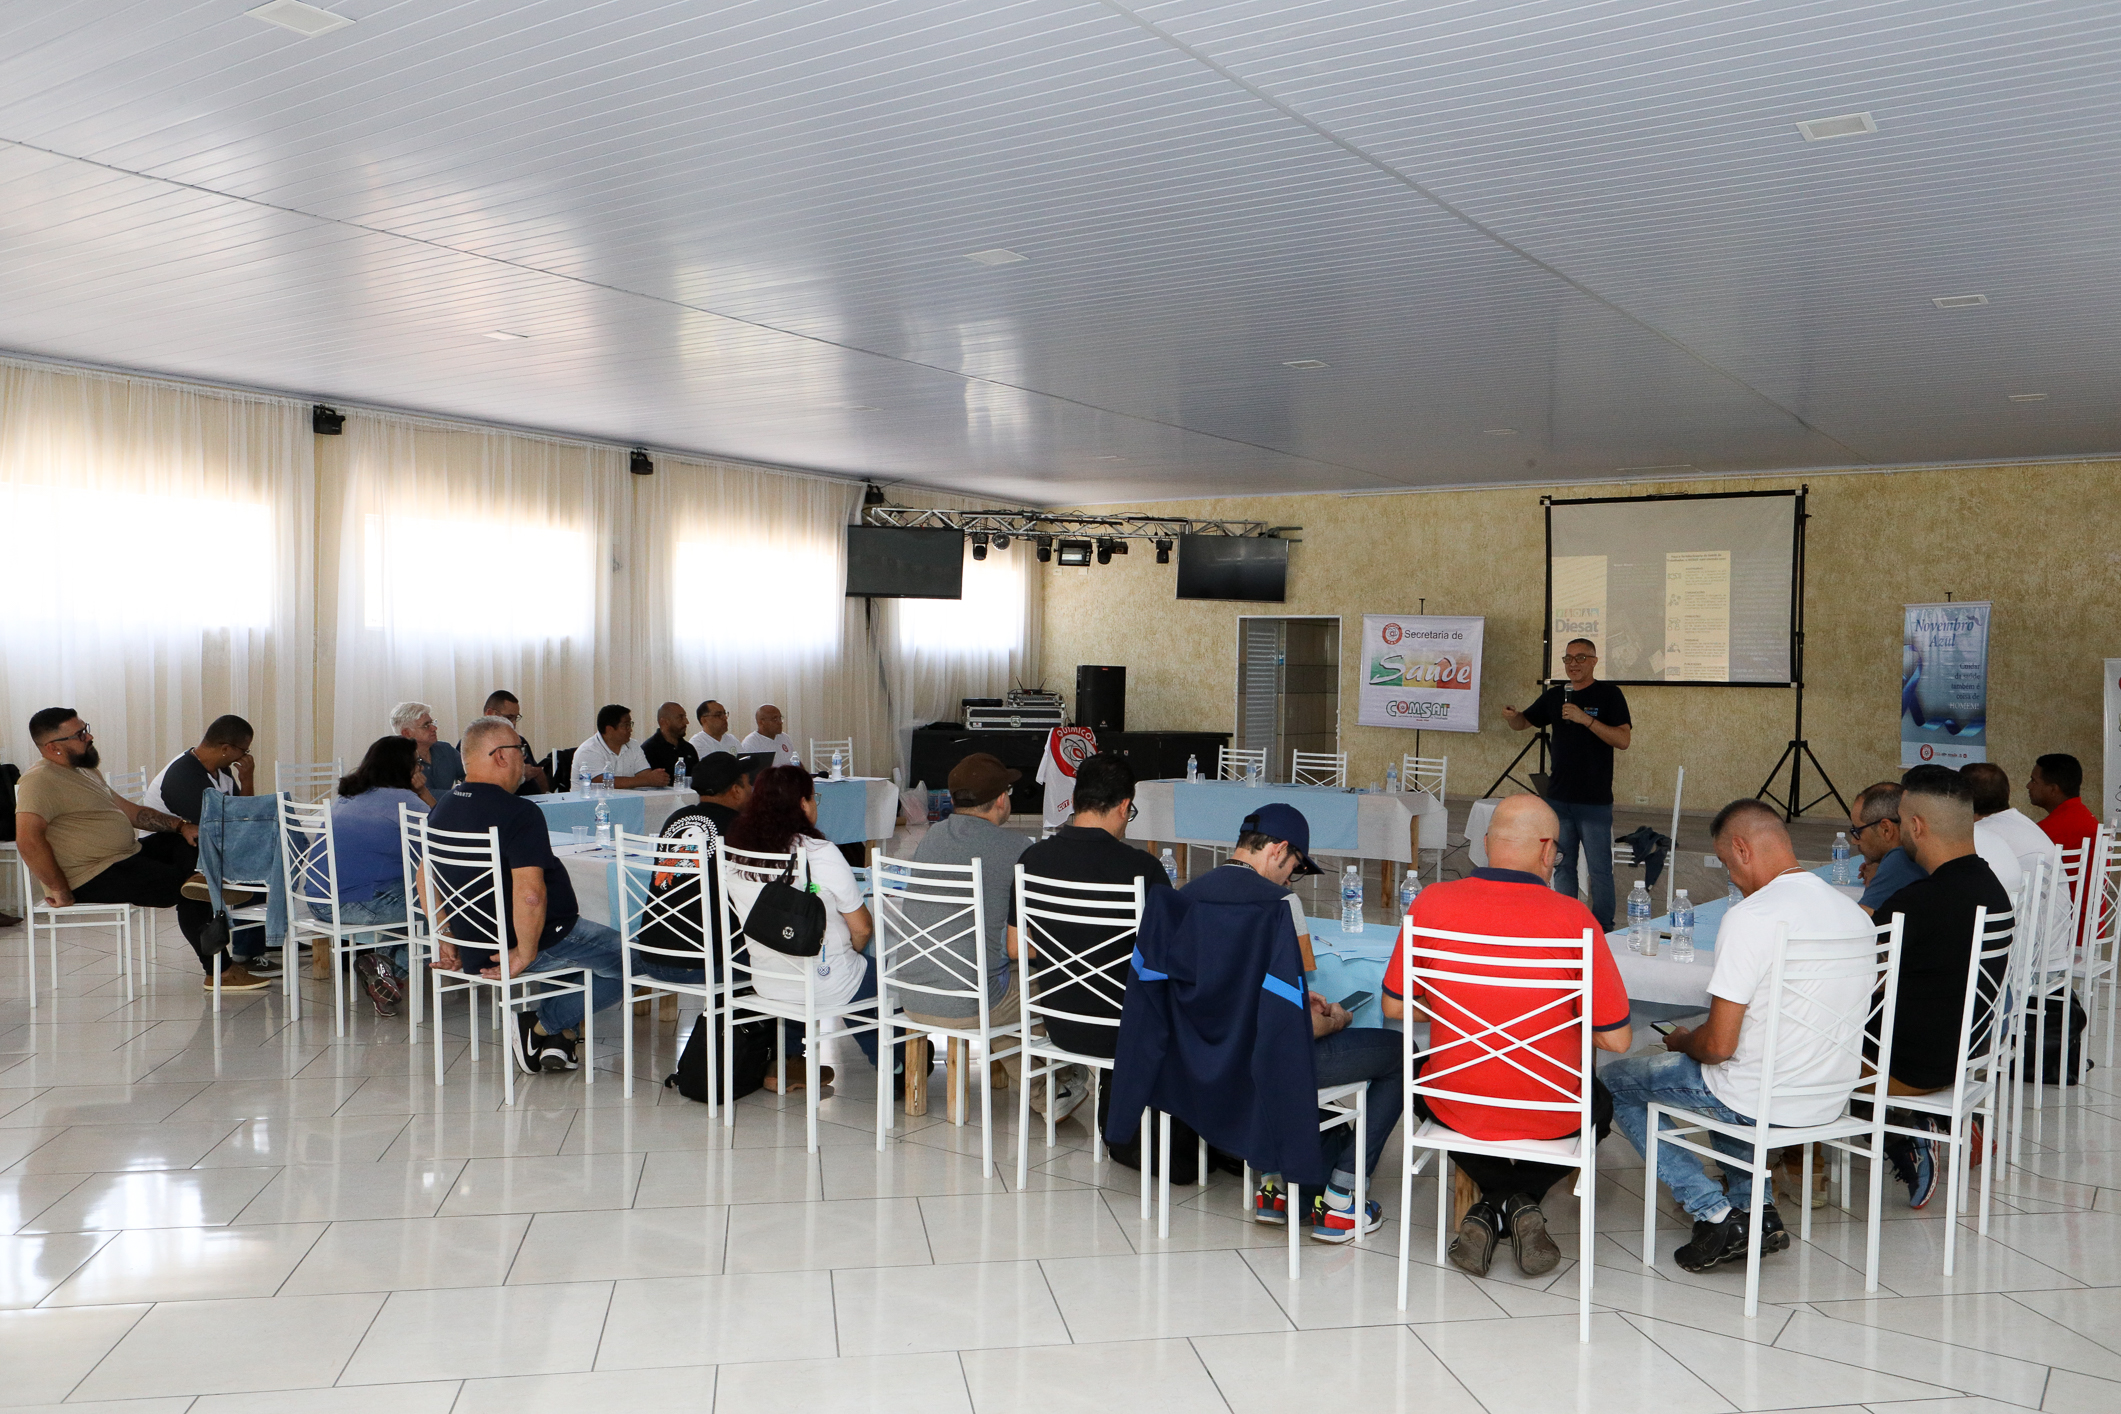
<point x="1423" y="711"/>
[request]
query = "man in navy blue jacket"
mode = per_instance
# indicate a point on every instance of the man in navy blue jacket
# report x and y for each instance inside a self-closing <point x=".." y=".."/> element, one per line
<point x="1219" y="1029"/>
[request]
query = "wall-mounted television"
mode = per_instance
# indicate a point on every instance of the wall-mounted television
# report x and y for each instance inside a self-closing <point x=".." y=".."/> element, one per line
<point x="889" y="562"/>
<point x="1252" y="568"/>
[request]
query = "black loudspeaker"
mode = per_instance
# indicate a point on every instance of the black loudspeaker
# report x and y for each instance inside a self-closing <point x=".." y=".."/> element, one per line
<point x="1101" y="698"/>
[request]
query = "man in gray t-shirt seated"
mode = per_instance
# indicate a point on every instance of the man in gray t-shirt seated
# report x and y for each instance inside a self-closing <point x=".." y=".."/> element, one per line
<point x="979" y="799"/>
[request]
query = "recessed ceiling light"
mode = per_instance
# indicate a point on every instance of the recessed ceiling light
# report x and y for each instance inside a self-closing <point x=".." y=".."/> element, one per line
<point x="2028" y="397"/>
<point x="505" y="336"/>
<point x="1845" y="125"/>
<point x="1305" y="363"/>
<point x="997" y="256"/>
<point x="305" y="20"/>
<point x="1959" y="301"/>
<point x="1500" y="431"/>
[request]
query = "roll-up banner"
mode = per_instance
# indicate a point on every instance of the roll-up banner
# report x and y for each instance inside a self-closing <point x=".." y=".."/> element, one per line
<point x="1421" y="671"/>
<point x="2110" y="810"/>
<point x="1944" y="684"/>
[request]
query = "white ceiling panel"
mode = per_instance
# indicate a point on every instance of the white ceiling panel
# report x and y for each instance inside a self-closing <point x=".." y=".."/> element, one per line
<point x="741" y="229"/>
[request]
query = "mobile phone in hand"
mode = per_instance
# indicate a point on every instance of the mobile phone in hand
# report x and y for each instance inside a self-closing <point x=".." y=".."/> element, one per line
<point x="1664" y="1028"/>
<point x="1355" y="999"/>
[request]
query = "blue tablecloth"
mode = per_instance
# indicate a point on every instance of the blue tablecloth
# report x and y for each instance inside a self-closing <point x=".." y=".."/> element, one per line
<point x="1352" y="962"/>
<point x="843" y="810"/>
<point x="563" y="812"/>
<point x="1212" y="810"/>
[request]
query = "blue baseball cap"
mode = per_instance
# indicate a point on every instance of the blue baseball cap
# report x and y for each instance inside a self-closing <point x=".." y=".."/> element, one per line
<point x="1285" y="823"/>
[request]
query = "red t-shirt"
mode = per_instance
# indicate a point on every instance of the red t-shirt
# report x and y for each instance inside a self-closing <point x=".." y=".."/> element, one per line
<point x="1507" y="903"/>
<point x="2069" y="825"/>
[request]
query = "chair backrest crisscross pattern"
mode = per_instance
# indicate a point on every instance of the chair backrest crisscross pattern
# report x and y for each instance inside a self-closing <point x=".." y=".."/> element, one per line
<point x="656" y="913"/>
<point x="1988" y="992"/>
<point x="307" y="781"/>
<point x="307" y="854"/>
<point x="944" y="928"/>
<point x="2060" y="909"/>
<point x="1080" y="937"/>
<point x="1318" y="768"/>
<point x="1805" y="973"/>
<point x="820" y="757"/>
<point x="1424" y="773"/>
<point x="1235" y="765"/>
<point x="1443" y="969"/>
<point x="463" y="887"/>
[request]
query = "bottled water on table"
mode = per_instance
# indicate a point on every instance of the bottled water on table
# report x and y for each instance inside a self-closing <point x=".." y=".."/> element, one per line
<point x="1682" y="927"/>
<point x="1252" y="773"/>
<point x="1192" y="768"/>
<point x="1733" y="895"/>
<point x="1170" y="865"/>
<point x="1409" y="890"/>
<point x="838" y="764"/>
<point x="1392" y="779"/>
<point x="1841" y="857"/>
<point x="1351" y="900"/>
<point x="603" y="824"/>
<point x="1641" y="937"/>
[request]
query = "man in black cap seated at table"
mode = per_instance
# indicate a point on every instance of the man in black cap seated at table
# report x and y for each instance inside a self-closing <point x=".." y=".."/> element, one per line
<point x="724" y="784"/>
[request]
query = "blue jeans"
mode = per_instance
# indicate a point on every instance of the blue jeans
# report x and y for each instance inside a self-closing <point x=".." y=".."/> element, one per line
<point x="865" y="990"/>
<point x="387" y="906"/>
<point x="1372" y="1053"/>
<point x="1590" y="826"/>
<point x="1670" y="1078"/>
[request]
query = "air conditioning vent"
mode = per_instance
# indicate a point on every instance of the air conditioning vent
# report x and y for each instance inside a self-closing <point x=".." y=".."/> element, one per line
<point x="1846" y="125"/>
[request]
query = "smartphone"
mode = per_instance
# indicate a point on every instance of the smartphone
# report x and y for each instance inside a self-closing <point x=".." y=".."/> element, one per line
<point x="1355" y="999"/>
<point x="1664" y="1028"/>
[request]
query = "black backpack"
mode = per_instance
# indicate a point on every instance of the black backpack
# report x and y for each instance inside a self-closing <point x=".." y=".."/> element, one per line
<point x="2051" y="1053"/>
<point x="754" y="1056"/>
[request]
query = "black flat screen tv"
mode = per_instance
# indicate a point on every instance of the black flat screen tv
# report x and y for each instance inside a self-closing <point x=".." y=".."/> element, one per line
<point x="888" y="562"/>
<point x="1253" y="568"/>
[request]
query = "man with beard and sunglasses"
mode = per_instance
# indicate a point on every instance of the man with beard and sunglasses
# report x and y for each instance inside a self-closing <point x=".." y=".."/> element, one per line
<point x="77" y="837"/>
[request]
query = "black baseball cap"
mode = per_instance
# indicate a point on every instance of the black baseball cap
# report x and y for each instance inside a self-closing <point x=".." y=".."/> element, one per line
<point x="1286" y="823"/>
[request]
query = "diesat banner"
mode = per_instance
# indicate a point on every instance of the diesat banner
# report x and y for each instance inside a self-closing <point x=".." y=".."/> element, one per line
<point x="1421" y="671"/>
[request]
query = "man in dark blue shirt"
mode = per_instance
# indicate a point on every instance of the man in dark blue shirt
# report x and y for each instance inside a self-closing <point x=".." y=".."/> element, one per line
<point x="540" y="912"/>
<point x="1874" y="828"/>
<point x="1590" y="721"/>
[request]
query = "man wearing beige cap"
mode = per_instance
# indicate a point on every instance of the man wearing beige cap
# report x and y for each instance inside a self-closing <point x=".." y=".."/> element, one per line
<point x="979" y="798"/>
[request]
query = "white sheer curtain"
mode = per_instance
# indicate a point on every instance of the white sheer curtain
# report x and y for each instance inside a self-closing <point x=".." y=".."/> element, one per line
<point x="469" y="560"/>
<point x="158" y="562"/>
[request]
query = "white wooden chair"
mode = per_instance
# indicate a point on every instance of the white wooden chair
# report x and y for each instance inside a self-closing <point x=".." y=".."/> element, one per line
<point x="1340" y="1104"/>
<point x="308" y="854"/>
<point x="1799" y="963"/>
<point x="129" y="785"/>
<point x="250" y="915"/>
<point x="307" y="781"/>
<point x="2097" y="959"/>
<point x="663" y="913"/>
<point x="936" y="914"/>
<point x="1318" y="768"/>
<point x="129" y="920"/>
<point x="820" y="757"/>
<point x="742" y="872"/>
<point x="1558" y="977"/>
<point x="1424" y="773"/>
<point x="1234" y="765"/>
<point x="1075" y="937"/>
<point x="2054" y="965"/>
<point x="464" y="890"/>
<point x="1977" y="1078"/>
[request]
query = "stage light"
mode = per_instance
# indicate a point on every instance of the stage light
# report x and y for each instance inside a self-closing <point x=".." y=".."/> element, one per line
<point x="639" y="463"/>
<point x="1163" y="552"/>
<point x="1001" y="542"/>
<point x="873" y="495"/>
<point x="330" y="422"/>
<point x="1075" y="552"/>
<point x="979" y="546"/>
<point x="1045" y="548"/>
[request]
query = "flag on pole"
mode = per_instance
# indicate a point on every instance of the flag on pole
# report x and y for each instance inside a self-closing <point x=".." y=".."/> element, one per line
<point x="1066" y="748"/>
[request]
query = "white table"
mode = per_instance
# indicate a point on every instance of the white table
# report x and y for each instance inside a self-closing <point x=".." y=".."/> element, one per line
<point x="1661" y="980"/>
<point x="566" y="809"/>
<point x="592" y="872"/>
<point x="1383" y="822"/>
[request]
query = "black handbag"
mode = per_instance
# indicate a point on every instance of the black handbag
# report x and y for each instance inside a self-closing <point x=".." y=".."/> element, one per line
<point x="787" y="919"/>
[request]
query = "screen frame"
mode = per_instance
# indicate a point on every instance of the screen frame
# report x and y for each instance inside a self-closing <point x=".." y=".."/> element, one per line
<point x="1796" y="615"/>
<point x="847" y="551"/>
<point x="1178" y="588"/>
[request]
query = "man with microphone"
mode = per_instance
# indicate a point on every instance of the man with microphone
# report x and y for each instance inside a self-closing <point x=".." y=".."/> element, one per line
<point x="1590" y="722"/>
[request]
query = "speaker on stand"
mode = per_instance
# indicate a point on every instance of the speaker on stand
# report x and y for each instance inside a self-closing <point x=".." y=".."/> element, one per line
<point x="1101" y="698"/>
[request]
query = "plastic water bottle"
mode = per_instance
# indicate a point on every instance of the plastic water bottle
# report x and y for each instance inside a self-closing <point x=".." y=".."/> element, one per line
<point x="603" y="824"/>
<point x="1641" y="938"/>
<point x="1682" y="927"/>
<point x="1351" y="900"/>
<point x="1170" y="864"/>
<point x="1841" y="857"/>
<point x="838" y="764"/>
<point x="1192" y="768"/>
<point x="1252" y="773"/>
<point x="1409" y="890"/>
<point x="1392" y="780"/>
<point x="1734" y="894"/>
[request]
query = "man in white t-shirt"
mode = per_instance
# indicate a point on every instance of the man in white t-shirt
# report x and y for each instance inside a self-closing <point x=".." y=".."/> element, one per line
<point x="714" y="734"/>
<point x="612" y="752"/>
<point x="1715" y="1068"/>
<point x="770" y="736"/>
<point x="2000" y="829"/>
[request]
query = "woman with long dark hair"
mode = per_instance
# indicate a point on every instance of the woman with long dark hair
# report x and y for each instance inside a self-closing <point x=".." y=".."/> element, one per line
<point x="780" y="818"/>
<point x="368" y="848"/>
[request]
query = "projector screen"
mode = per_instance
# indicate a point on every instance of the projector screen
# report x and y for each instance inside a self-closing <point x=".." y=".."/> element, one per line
<point x="1675" y="589"/>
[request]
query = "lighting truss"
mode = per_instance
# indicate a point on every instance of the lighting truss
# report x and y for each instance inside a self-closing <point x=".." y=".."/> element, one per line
<point x="1031" y="523"/>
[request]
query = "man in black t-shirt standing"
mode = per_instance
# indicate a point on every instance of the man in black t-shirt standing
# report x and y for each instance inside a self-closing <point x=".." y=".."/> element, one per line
<point x="1590" y="722"/>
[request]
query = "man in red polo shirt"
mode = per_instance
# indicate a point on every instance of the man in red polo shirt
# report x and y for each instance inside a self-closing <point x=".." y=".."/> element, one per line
<point x="1511" y="898"/>
<point x="2056" y="786"/>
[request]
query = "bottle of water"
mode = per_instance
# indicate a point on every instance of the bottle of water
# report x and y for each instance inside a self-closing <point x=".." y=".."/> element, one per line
<point x="1170" y="864"/>
<point x="1409" y="890"/>
<point x="1682" y="927"/>
<point x="1192" y="768"/>
<point x="1641" y="938"/>
<point x="1734" y="894"/>
<point x="603" y="824"/>
<point x="1841" y="857"/>
<point x="1392" y="780"/>
<point x="1253" y="773"/>
<point x="838" y="764"/>
<point x="1351" y="900"/>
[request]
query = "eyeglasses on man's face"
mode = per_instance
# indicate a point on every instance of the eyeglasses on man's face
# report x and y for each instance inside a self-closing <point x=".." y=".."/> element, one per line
<point x="523" y="747"/>
<point x="82" y="735"/>
<point x="1856" y="831"/>
<point x="1579" y="657"/>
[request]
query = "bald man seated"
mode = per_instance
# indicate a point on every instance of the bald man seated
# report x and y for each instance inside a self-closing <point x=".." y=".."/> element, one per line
<point x="771" y="736"/>
<point x="1715" y="1068"/>
<point x="1511" y="897"/>
<point x="668" y="750"/>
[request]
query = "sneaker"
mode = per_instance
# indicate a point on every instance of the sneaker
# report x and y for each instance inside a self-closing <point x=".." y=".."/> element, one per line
<point x="1530" y="1243"/>
<point x="265" y="964"/>
<point x="523" y="1041"/>
<point x="1923" y="1182"/>
<point x="380" y="982"/>
<point x="1333" y="1217"/>
<point x="237" y="979"/>
<point x="1067" y="1095"/>
<point x="1714" y="1244"/>
<point x="556" y="1053"/>
<point x="1271" y="1203"/>
<point x="1474" y="1246"/>
<point x="1774" y="1237"/>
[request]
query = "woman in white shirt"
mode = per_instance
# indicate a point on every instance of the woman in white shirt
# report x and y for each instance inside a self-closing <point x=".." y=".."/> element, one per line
<point x="780" y="816"/>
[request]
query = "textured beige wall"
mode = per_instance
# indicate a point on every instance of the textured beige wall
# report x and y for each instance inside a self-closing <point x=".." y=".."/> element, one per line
<point x="2043" y="542"/>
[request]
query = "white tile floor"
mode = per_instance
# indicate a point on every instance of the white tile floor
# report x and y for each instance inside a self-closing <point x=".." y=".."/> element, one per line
<point x="249" y="1215"/>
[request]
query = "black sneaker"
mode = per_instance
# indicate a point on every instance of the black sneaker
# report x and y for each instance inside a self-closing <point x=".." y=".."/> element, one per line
<point x="557" y="1053"/>
<point x="1714" y="1244"/>
<point x="265" y="964"/>
<point x="523" y="1041"/>
<point x="1774" y="1237"/>
<point x="1474" y="1246"/>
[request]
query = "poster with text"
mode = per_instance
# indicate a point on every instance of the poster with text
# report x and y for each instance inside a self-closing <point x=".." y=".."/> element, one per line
<point x="1697" y="616"/>
<point x="1944" y="684"/>
<point x="1421" y="671"/>
<point x="2111" y="809"/>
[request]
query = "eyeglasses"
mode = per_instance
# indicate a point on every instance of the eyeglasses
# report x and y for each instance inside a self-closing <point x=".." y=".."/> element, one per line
<point x="523" y="747"/>
<point x="1132" y="813"/>
<point x="1856" y="832"/>
<point x="1579" y="657"/>
<point x="82" y="735"/>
